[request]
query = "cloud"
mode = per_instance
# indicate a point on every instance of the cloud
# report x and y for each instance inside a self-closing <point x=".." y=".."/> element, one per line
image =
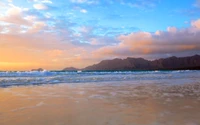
<point x="140" y="4"/>
<point x="37" y="26"/>
<point x="10" y="1"/>
<point x="84" y="29"/>
<point x="22" y="20"/>
<point x="196" y="23"/>
<point x="173" y="41"/>
<point x="47" y="1"/>
<point x="78" y="1"/>
<point x="83" y="11"/>
<point x="85" y="1"/>
<point x="172" y="29"/>
<point x="15" y="15"/>
<point x="40" y="6"/>
<point x="61" y="36"/>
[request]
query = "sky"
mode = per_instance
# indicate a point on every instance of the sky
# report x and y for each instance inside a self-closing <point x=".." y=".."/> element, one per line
<point x="54" y="34"/>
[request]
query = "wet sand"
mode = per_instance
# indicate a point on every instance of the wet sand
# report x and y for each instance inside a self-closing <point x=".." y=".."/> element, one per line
<point x="101" y="104"/>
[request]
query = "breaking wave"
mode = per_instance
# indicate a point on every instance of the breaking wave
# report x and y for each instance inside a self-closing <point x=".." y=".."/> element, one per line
<point x="53" y="77"/>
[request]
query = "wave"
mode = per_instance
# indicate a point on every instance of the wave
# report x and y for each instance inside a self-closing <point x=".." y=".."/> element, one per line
<point x="53" y="77"/>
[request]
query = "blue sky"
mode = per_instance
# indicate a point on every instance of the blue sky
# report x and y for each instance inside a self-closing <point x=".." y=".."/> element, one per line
<point x="136" y="15"/>
<point x="81" y="32"/>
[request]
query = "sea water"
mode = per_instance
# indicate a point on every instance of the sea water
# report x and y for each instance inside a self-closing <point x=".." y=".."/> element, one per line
<point x="53" y="77"/>
<point x="100" y="98"/>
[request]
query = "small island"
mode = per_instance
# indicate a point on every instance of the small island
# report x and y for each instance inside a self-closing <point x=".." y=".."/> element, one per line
<point x="39" y="69"/>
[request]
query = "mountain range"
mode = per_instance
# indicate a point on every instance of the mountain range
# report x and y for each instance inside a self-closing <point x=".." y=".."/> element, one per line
<point x="171" y="63"/>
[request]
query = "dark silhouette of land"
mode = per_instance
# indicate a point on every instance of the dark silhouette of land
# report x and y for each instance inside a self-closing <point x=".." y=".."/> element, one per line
<point x="171" y="63"/>
<point x="70" y="69"/>
<point x="39" y="69"/>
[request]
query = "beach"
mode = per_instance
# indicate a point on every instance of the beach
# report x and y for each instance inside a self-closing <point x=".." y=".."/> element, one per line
<point x="99" y="62"/>
<point x="105" y="103"/>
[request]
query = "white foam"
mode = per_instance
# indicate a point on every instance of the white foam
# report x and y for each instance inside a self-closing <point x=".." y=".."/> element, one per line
<point x="117" y="78"/>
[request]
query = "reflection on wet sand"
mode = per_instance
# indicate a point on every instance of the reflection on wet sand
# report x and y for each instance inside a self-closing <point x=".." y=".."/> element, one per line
<point x="105" y="104"/>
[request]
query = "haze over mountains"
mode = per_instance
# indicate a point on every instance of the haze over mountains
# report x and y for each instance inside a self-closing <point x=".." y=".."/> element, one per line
<point x="171" y="63"/>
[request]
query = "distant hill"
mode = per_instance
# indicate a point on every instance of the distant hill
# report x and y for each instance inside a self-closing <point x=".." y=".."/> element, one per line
<point x="171" y="63"/>
<point x="70" y="69"/>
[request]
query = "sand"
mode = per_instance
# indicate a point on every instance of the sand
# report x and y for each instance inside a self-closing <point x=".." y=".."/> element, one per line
<point x="101" y="104"/>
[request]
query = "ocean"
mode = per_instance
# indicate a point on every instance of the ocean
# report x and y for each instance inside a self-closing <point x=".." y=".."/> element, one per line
<point x="24" y="78"/>
<point x="100" y="98"/>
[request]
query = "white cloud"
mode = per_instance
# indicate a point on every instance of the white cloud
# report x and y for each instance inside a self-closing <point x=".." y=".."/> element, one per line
<point x="14" y="10"/>
<point x="40" y="6"/>
<point x="78" y="1"/>
<point x="37" y="26"/>
<point x="14" y="15"/>
<point x="47" y="1"/>
<point x="48" y="15"/>
<point x="172" y="29"/>
<point x="32" y="0"/>
<point x="15" y="21"/>
<point x="85" y="1"/>
<point x="83" y="11"/>
<point x="10" y="1"/>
